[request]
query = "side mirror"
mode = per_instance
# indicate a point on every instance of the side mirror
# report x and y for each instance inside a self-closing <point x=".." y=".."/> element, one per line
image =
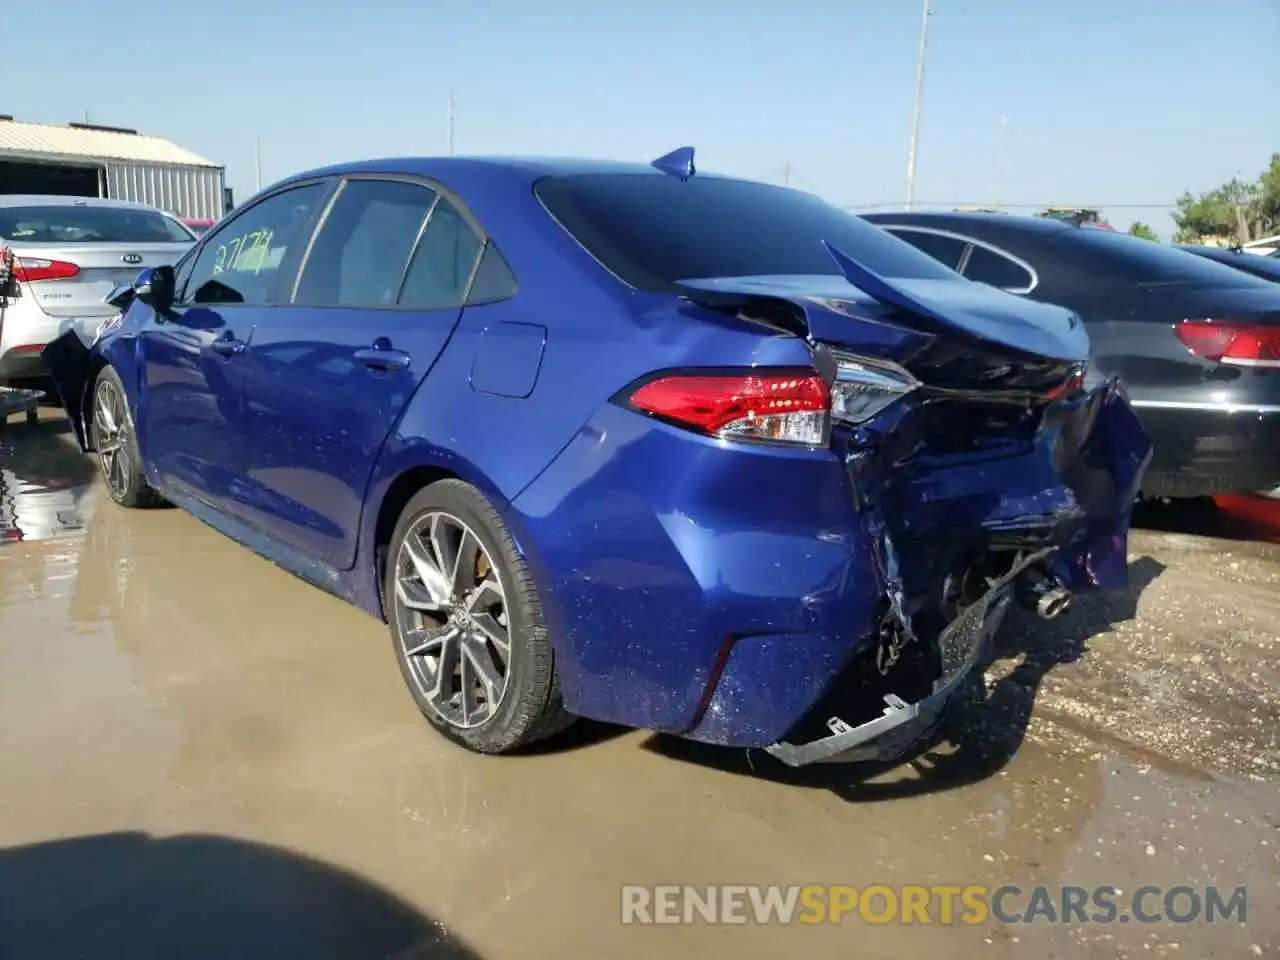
<point x="121" y="297"/>
<point x="155" y="288"/>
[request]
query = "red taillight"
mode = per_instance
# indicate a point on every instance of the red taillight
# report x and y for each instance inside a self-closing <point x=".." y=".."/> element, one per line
<point x="31" y="269"/>
<point x="1237" y="344"/>
<point x="790" y="406"/>
<point x="29" y="348"/>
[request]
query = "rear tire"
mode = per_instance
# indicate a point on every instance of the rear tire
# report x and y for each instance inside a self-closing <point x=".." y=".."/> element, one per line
<point x="116" y="441"/>
<point x="467" y="625"/>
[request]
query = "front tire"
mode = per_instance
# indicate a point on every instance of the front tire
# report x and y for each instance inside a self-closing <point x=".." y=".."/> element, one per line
<point x="466" y="623"/>
<point x="116" y="441"/>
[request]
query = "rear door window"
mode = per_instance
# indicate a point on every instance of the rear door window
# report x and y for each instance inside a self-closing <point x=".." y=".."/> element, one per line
<point x="361" y="252"/>
<point x="986" y="266"/>
<point x="493" y="280"/>
<point x="946" y="250"/>
<point x="444" y="262"/>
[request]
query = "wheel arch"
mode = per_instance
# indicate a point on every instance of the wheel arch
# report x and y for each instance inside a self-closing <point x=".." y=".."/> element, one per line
<point x="396" y="480"/>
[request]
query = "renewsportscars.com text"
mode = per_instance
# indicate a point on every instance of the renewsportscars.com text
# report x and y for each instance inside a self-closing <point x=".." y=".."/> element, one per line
<point x="940" y="904"/>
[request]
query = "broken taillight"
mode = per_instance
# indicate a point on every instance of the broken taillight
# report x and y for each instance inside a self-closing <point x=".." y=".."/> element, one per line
<point x="1230" y="342"/>
<point x="864" y="387"/>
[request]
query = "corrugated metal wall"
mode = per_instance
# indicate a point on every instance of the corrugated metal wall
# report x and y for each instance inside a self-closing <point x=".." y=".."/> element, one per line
<point x="186" y="191"/>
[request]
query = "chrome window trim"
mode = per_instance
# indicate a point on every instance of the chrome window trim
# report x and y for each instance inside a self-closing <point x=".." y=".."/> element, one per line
<point x="964" y="257"/>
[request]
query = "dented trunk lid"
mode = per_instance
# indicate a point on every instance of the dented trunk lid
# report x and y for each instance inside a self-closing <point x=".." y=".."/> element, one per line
<point x="988" y="363"/>
<point x="984" y="318"/>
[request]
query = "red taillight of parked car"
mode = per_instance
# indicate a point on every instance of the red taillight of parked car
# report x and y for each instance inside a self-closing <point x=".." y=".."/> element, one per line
<point x="1067" y="388"/>
<point x="1237" y="344"/>
<point x="784" y="406"/>
<point x="31" y="269"/>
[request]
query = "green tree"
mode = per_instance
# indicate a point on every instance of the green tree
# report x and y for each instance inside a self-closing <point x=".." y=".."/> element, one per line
<point x="1269" y="196"/>
<point x="1142" y="230"/>
<point x="1236" y="212"/>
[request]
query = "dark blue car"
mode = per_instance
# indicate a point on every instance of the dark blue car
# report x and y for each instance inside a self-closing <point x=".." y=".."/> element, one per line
<point x="619" y="441"/>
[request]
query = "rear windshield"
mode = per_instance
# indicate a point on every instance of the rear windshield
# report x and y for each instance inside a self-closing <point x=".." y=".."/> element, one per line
<point x="652" y="231"/>
<point x="1145" y="261"/>
<point x="1264" y="267"/>
<point x="74" y="224"/>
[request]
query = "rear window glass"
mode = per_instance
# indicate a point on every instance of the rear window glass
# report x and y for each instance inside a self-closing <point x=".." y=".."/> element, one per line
<point x="1265" y="267"/>
<point x="74" y="224"/>
<point x="1143" y="261"/>
<point x="652" y="231"/>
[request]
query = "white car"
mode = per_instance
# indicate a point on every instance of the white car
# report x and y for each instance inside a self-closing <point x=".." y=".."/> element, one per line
<point x="69" y="253"/>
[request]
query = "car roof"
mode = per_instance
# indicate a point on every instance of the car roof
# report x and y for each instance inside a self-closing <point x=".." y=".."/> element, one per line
<point x="459" y="172"/>
<point x="58" y="200"/>
<point x="960" y="220"/>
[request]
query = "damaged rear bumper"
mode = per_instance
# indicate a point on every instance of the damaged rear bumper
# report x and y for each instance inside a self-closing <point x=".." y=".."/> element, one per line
<point x="1034" y="528"/>
<point x="962" y="644"/>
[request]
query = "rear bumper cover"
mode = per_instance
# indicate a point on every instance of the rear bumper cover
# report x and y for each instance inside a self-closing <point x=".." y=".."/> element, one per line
<point x="22" y="365"/>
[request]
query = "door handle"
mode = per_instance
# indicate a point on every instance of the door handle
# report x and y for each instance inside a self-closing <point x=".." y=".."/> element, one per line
<point x="388" y="359"/>
<point x="228" y="346"/>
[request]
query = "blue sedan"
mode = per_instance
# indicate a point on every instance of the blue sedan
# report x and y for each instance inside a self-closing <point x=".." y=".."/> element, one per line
<point x="619" y="441"/>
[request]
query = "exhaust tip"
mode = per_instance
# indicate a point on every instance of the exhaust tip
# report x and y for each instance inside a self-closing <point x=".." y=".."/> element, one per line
<point x="1053" y="603"/>
<point x="1048" y="598"/>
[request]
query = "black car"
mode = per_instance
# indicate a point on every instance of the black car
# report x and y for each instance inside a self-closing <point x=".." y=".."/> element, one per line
<point x="1265" y="266"/>
<point x="1197" y="343"/>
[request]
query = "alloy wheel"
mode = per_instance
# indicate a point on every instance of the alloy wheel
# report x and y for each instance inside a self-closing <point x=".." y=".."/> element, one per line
<point x="451" y="619"/>
<point x="110" y="423"/>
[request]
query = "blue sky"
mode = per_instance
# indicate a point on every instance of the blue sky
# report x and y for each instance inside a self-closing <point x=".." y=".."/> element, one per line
<point x="1114" y="102"/>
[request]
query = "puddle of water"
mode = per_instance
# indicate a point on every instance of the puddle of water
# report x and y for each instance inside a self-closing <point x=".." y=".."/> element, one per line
<point x="43" y="482"/>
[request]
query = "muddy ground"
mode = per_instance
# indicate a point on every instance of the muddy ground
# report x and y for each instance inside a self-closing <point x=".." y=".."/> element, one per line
<point x="201" y="756"/>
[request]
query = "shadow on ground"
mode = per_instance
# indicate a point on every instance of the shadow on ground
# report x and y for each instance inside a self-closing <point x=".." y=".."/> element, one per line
<point x="983" y="727"/>
<point x="195" y="897"/>
<point x="1242" y="517"/>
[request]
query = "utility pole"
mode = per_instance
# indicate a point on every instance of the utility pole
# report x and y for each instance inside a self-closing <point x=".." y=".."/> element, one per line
<point x="915" y="119"/>
<point x="257" y="162"/>
<point x="786" y="173"/>
<point x="453" y="112"/>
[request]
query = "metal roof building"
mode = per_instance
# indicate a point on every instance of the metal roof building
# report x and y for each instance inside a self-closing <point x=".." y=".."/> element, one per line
<point x="89" y="159"/>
